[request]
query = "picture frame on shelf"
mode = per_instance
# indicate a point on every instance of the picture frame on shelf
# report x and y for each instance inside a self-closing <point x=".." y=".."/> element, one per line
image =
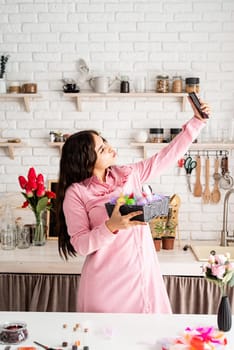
<point x="50" y="215"/>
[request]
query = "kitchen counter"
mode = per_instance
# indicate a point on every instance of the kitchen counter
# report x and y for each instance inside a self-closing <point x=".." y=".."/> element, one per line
<point x="46" y="259"/>
<point x="37" y="279"/>
<point x="108" y="331"/>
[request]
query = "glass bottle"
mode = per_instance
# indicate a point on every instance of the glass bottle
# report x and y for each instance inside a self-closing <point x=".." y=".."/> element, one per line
<point x="8" y="231"/>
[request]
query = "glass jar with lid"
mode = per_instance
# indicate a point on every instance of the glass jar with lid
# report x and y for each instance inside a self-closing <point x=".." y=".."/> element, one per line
<point x="192" y="85"/>
<point x="156" y="135"/>
<point x="177" y="84"/>
<point x="162" y="84"/>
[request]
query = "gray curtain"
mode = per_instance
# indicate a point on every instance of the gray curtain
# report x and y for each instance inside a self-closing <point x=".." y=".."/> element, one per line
<point x="58" y="293"/>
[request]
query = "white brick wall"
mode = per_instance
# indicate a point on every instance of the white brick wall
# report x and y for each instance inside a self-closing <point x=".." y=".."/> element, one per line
<point x="45" y="40"/>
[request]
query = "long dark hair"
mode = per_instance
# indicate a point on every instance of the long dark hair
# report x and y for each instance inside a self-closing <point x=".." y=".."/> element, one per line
<point x="76" y="164"/>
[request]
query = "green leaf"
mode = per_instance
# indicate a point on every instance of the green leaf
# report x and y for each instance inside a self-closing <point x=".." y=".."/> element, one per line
<point x="227" y="277"/>
<point x="231" y="281"/>
<point x="41" y="205"/>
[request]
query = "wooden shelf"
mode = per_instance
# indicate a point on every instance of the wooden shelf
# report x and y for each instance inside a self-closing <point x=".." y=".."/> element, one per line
<point x="57" y="144"/>
<point x="11" y="146"/>
<point x="92" y="95"/>
<point x="25" y="97"/>
<point x="195" y="146"/>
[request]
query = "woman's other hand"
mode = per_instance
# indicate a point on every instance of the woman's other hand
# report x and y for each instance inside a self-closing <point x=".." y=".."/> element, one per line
<point x="118" y="221"/>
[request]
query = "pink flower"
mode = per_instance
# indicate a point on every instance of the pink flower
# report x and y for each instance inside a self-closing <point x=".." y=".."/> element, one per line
<point x="218" y="271"/>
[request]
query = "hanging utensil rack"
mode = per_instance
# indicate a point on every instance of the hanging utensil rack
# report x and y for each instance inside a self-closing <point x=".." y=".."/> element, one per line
<point x="207" y="152"/>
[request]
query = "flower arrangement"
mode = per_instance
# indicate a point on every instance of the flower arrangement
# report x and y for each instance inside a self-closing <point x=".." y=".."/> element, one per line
<point x="219" y="270"/>
<point x="199" y="338"/>
<point x="3" y="62"/>
<point x="37" y="198"/>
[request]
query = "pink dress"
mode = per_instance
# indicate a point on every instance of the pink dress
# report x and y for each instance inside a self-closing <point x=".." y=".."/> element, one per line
<point x="121" y="272"/>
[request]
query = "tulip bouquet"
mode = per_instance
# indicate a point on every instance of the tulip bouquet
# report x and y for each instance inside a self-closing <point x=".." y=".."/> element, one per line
<point x="38" y="199"/>
<point x="219" y="270"/>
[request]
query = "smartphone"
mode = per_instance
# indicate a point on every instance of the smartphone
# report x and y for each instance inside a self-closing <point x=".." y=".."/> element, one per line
<point x="193" y="97"/>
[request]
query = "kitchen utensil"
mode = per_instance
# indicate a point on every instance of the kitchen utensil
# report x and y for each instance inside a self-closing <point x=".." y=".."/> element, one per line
<point x="180" y="164"/>
<point x="197" y="192"/>
<point x="226" y="181"/>
<point x="44" y="346"/>
<point x="215" y="194"/>
<point x="189" y="165"/>
<point x="206" y="193"/>
<point x="101" y="84"/>
<point x="83" y="70"/>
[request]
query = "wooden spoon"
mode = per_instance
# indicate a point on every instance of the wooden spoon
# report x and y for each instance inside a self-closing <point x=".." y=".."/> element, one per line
<point x="206" y="193"/>
<point x="215" y="194"/>
<point x="197" y="192"/>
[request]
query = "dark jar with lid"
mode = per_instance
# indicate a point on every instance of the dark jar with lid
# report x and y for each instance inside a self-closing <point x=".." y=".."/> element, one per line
<point x="156" y="135"/>
<point x="174" y="132"/>
<point x="192" y="85"/>
<point x="124" y="85"/>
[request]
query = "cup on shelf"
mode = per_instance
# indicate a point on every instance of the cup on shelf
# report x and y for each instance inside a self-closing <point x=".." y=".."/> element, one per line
<point x="139" y="84"/>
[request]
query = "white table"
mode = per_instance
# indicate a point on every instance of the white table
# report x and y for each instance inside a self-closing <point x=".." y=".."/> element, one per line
<point x="108" y="331"/>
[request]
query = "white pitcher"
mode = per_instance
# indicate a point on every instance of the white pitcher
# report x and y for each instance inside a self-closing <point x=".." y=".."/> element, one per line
<point x="101" y="84"/>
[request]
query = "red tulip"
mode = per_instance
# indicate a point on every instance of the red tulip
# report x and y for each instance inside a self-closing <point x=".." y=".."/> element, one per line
<point x="25" y="204"/>
<point x="28" y="190"/>
<point x="50" y="194"/>
<point x="40" y="179"/>
<point x="22" y="181"/>
<point x="32" y="175"/>
<point x="40" y="190"/>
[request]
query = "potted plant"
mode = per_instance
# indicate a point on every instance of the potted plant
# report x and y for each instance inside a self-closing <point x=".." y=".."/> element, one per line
<point x="157" y="226"/>
<point x="169" y="234"/>
<point x="3" y="62"/>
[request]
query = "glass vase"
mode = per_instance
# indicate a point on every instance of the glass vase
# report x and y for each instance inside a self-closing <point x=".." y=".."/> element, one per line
<point x="39" y="235"/>
<point x="224" y="317"/>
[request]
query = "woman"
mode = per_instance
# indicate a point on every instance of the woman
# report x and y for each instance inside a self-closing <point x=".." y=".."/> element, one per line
<point x="121" y="271"/>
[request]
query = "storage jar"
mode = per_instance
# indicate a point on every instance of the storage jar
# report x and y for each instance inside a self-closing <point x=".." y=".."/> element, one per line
<point x="162" y="84"/>
<point x="156" y="135"/>
<point x="177" y="84"/>
<point x="174" y="132"/>
<point x="192" y="85"/>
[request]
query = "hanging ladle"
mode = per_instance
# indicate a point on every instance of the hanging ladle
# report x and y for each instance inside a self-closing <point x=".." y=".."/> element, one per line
<point x="226" y="180"/>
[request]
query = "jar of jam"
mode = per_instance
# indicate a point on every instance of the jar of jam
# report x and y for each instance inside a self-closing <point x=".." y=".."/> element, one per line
<point x="177" y="84"/>
<point x="162" y="85"/>
<point x="192" y="85"/>
<point x="156" y="135"/>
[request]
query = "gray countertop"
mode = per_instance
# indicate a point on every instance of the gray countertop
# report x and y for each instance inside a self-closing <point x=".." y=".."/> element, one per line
<point x="46" y="259"/>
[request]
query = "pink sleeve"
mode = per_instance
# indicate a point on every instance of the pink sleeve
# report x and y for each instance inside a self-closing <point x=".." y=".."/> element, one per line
<point x="84" y="240"/>
<point x="155" y="165"/>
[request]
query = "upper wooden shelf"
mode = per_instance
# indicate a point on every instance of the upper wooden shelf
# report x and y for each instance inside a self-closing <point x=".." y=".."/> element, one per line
<point x="194" y="146"/>
<point x="91" y="95"/>
<point x="11" y="146"/>
<point x="56" y="144"/>
<point x="25" y="97"/>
